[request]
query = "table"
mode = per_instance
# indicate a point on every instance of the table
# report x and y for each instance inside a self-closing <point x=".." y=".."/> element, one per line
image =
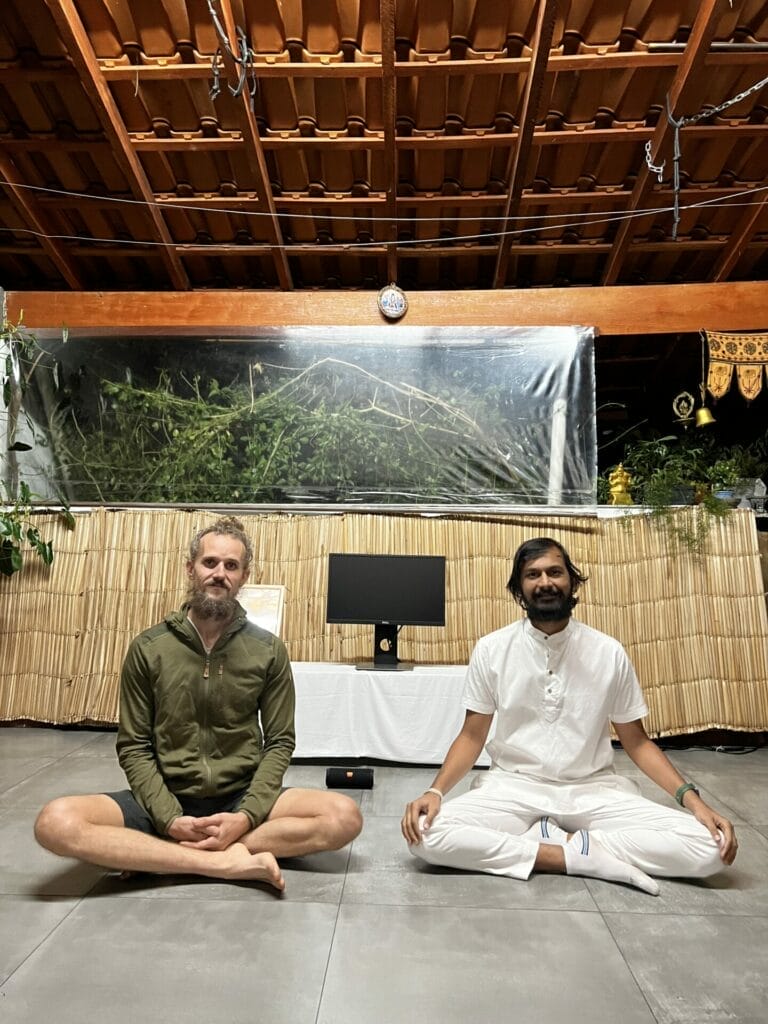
<point x="408" y="717"/>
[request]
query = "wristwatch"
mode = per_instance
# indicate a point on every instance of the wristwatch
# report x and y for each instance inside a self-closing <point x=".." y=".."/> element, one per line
<point x="687" y="787"/>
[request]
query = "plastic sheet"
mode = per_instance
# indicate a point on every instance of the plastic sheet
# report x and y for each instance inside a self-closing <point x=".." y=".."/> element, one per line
<point x="439" y="416"/>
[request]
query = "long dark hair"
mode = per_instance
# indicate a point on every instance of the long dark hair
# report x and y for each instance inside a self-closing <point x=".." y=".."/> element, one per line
<point x="535" y="548"/>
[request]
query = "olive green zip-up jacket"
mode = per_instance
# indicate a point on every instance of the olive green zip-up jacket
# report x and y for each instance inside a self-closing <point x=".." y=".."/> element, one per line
<point x="205" y="725"/>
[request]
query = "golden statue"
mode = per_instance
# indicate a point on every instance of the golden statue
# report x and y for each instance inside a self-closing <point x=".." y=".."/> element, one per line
<point x="619" y="479"/>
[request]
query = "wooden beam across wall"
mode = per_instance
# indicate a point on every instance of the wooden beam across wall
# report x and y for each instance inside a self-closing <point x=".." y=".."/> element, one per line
<point x="651" y="309"/>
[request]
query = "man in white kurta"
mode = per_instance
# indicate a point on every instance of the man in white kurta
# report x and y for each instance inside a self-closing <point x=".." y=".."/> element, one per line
<point x="551" y="800"/>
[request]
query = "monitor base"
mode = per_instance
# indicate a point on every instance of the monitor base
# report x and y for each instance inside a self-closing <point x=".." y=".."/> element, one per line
<point x="396" y="666"/>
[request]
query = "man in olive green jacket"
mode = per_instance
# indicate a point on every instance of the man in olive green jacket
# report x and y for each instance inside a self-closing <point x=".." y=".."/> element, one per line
<point x="205" y="736"/>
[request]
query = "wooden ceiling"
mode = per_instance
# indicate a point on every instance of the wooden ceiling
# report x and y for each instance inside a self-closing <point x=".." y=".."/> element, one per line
<point x="473" y="144"/>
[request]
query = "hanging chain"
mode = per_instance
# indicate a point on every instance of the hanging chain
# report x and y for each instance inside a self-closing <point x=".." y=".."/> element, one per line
<point x="243" y="59"/>
<point x="682" y="122"/>
<point x="658" y="171"/>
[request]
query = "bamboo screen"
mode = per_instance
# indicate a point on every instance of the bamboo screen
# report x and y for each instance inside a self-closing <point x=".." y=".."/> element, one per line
<point x="696" y="628"/>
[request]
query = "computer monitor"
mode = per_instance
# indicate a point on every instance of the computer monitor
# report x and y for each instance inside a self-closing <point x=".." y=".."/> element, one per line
<point x="387" y="591"/>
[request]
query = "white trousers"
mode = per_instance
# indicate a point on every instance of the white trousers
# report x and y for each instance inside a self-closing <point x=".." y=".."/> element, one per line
<point x="484" y="829"/>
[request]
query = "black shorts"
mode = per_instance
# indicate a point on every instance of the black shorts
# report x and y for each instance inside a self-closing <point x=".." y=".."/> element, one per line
<point x="134" y="815"/>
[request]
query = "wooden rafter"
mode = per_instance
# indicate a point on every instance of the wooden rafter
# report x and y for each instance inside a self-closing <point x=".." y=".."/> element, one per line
<point x="256" y="154"/>
<point x="29" y="211"/>
<point x="80" y="50"/>
<point x="387" y="16"/>
<point x="740" y="237"/>
<point x="693" y="62"/>
<point x="518" y="162"/>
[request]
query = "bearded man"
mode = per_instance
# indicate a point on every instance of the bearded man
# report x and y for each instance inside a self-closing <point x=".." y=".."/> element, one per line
<point x="551" y="800"/>
<point x="206" y="734"/>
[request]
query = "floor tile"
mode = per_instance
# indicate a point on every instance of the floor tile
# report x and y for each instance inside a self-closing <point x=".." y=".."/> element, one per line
<point x="697" y="969"/>
<point x="101" y="745"/>
<point x="698" y="759"/>
<point x="24" y="923"/>
<point x="423" y="965"/>
<point x="68" y="776"/>
<point x="28" y="869"/>
<point x="14" y="770"/>
<point x="74" y="939"/>
<point x="746" y="795"/>
<point x="736" y="890"/>
<point x="172" y="961"/>
<point x="394" y="787"/>
<point x="382" y="871"/>
<point x="709" y="787"/>
<point x="39" y="742"/>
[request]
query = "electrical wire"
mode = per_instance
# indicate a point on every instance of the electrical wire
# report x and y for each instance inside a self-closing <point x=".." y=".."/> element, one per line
<point x="595" y="219"/>
<point x="340" y="218"/>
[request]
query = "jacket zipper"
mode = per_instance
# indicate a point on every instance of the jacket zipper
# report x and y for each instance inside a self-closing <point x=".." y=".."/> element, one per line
<point x="204" y="729"/>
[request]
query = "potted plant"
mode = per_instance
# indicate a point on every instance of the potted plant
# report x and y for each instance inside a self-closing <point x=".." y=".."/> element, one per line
<point x="691" y="469"/>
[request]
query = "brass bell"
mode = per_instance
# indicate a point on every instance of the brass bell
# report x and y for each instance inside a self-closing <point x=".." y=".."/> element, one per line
<point x="704" y="417"/>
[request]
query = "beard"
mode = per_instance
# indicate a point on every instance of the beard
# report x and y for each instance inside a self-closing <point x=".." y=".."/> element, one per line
<point x="550" y="607"/>
<point x="207" y="606"/>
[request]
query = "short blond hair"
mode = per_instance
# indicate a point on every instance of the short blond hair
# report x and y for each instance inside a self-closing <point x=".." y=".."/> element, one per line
<point x="227" y="526"/>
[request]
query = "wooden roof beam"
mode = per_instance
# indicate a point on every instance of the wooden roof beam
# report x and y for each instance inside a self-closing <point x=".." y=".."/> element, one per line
<point x="740" y="237"/>
<point x="389" y="104"/>
<point x="78" y="45"/>
<point x="693" y="61"/>
<point x="259" y="163"/>
<point x="518" y="161"/>
<point x="621" y="60"/>
<point x="28" y="209"/>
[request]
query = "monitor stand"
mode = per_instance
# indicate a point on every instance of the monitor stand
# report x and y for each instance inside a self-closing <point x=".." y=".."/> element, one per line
<point x="385" y="657"/>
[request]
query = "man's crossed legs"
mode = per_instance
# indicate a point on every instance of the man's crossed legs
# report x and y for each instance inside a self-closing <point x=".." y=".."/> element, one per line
<point x="600" y="829"/>
<point x="302" y="821"/>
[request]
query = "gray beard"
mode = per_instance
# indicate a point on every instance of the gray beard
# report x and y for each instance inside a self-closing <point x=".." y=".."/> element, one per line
<point x="211" y="607"/>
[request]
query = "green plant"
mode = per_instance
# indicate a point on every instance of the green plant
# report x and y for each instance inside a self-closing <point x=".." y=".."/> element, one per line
<point x="16" y="528"/>
<point x="669" y="471"/>
<point x="21" y="356"/>
<point x="331" y="430"/>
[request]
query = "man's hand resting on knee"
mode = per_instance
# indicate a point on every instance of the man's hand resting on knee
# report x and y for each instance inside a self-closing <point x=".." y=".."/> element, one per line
<point x="216" y="832"/>
<point x="428" y="804"/>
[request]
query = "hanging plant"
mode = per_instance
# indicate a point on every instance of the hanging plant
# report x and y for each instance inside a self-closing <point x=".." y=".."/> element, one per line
<point x="17" y="501"/>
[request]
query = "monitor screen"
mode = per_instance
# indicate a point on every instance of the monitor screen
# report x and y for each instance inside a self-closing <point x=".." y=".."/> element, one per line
<point x="406" y="590"/>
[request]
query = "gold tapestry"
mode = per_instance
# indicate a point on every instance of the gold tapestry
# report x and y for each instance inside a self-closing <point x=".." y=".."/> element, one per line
<point x="747" y="353"/>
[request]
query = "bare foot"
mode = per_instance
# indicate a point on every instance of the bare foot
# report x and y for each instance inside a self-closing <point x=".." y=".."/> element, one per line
<point x="241" y="864"/>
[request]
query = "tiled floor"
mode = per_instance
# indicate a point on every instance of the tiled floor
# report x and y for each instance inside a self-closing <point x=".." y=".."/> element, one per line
<point x="368" y="935"/>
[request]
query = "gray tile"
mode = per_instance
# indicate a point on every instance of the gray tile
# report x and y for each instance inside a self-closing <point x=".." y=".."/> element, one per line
<point x="24" y="924"/>
<point x="394" y="787"/>
<point x="102" y="745"/>
<point x="171" y="961"/>
<point x="28" y="869"/>
<point x="707" y="787"/>
<point x="688" y="762"/>
<point x="68" y="776"/>
<point x="37" y="742"/>
<point x="14" y="770"/>
<point x="382" y="871"/>
<point x="746" y="795"/>
<point x="738" y="890"/>
<point x="305" y="776"/>
<point x="697" y="969"/>
<point x="425" y="965"/>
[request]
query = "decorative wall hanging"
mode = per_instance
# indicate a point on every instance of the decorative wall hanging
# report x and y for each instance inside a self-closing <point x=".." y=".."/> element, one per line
<point x="747" y="353"/>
